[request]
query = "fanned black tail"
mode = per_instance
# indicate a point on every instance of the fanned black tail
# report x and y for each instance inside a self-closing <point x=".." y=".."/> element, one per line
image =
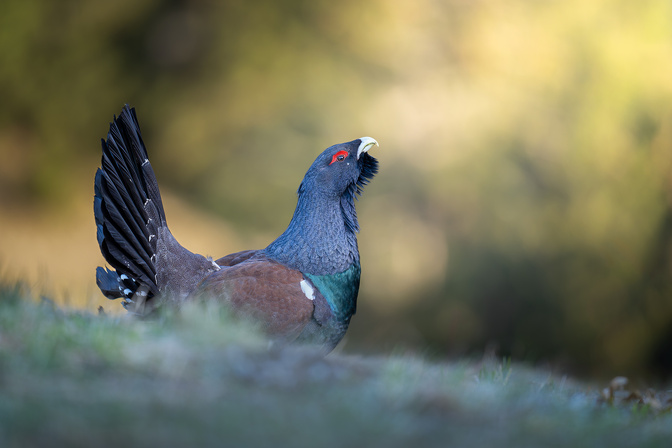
<point x="128" y="212"/>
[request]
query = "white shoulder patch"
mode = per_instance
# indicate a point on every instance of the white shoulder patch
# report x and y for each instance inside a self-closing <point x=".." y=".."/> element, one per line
<point x="307" y="290"/>
<point x="214" y="265"/>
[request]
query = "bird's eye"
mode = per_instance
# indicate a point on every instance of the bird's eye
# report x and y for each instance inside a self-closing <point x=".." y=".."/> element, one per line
<point x="339" y="157"/>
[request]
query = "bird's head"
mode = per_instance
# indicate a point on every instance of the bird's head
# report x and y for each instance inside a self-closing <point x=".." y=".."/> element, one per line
<point x="320" y="238"/>
<point x="342" y="169"/>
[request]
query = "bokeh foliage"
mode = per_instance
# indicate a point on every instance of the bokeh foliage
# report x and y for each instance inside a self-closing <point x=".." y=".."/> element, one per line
<point x="525" y="193"/>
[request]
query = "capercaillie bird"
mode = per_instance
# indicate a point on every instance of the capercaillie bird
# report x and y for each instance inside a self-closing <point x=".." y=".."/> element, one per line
<point x="302" y="287"/>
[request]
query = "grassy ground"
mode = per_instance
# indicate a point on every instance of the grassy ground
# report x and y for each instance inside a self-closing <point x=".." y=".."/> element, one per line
<point x="198" y="379"/>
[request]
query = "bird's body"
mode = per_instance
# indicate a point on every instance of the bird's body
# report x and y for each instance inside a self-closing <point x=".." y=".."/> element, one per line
<point x="303" y="286"/>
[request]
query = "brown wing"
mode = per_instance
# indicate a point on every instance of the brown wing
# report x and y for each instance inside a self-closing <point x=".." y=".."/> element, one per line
<point x="265" y="290"/>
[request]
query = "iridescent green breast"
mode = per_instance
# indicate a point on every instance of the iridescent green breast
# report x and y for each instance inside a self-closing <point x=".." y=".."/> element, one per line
<point x="340" y="290"/>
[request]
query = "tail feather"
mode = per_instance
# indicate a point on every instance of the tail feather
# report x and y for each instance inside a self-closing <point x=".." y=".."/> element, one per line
<point x="128" y="210"/>
<point x="98" y="206"/>
<point x="108" y="282"/>
<point x="136" y="162"/>
<point x="127" y="231"/>
<point x="114" y="286"/>
<point x="127" y="197"/>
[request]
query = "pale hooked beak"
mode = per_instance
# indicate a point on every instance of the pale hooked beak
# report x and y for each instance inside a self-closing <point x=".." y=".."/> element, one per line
<point x="367" y="143"/>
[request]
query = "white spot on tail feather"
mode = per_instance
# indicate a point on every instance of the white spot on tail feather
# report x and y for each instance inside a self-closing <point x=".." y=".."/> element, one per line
<point x="123" y="277"/>
<point x="150" y="238"/>
<point x="307" y="290"/>
<point x="127" y="291"/>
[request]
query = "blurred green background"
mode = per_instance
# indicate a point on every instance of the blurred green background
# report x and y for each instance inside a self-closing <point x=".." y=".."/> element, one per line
<point x="524" y="203"/>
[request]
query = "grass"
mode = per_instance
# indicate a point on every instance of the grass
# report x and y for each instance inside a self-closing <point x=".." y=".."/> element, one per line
<point x="199" y="379"/>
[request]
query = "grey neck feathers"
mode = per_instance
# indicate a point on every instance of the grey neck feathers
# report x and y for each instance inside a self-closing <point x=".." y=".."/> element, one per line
<point x="319" y="239"/>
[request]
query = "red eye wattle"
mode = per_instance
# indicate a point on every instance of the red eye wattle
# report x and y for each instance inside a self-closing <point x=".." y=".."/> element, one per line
<point x="339" y="156"/>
